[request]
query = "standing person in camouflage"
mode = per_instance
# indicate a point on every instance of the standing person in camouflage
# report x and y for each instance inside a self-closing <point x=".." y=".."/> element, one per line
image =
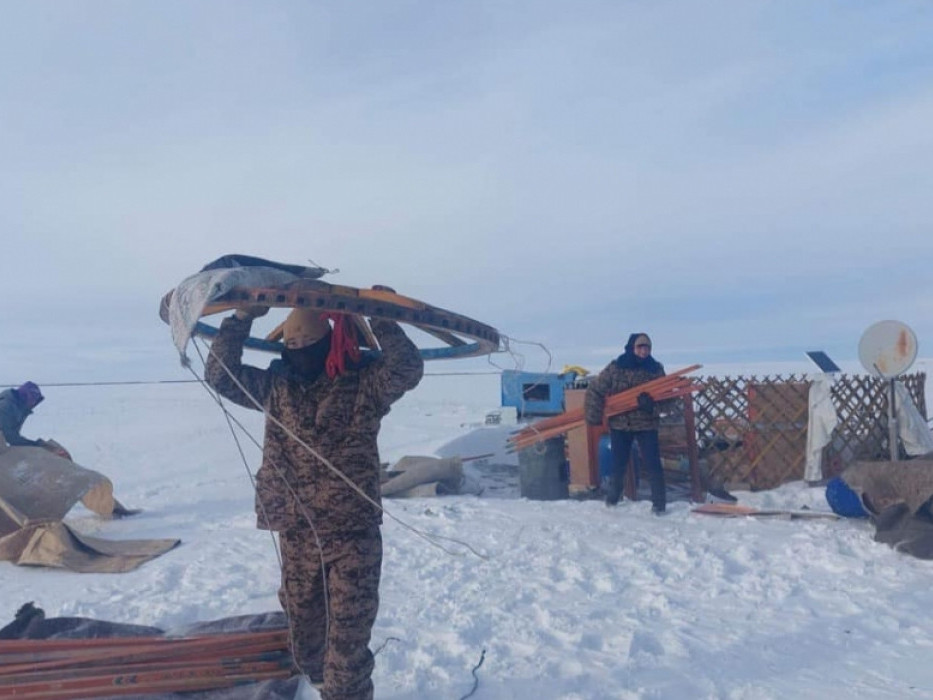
<point x="329" y="535"/>
<point x="633" y="367"/>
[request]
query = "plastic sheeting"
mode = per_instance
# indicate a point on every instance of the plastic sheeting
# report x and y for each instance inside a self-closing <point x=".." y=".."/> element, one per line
<point x="821" y="423"/>
<point x="194" y="293"/>
<point x="911" y="427"/>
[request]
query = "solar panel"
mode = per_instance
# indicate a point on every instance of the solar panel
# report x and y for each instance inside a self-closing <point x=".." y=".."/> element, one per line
<point x="821" y="359"/>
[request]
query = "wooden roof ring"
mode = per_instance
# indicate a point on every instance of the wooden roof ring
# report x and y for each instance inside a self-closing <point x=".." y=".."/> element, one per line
<point x="461" y="336"/>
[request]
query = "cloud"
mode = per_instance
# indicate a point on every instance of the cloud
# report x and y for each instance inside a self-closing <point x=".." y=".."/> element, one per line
<point x="733" y="175"/>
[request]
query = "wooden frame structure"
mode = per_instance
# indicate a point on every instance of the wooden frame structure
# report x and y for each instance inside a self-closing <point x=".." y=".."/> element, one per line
<point x="752" y="431"/>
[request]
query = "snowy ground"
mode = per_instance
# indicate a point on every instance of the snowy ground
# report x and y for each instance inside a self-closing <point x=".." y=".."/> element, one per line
<point x="568" y="600"/>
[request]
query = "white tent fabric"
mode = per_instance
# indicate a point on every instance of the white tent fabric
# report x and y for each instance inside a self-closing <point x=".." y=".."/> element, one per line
<point x="821" y="423"/>
<point x="911" y="427"/>
<point x="194" y="293"/>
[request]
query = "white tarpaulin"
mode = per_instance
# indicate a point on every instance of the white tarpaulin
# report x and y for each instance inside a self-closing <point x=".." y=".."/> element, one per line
<point x="822" y="421"/>
<point x="911" y="427"/>
<point x="196" y="292"/>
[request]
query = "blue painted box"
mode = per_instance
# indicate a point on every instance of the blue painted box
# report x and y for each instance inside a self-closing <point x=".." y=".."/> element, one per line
<point x="533" y="393"/>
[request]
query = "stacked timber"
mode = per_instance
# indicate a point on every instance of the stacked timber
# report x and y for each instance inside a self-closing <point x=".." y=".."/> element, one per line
<point x="107" y="667"/>
<point x="671" y="386"/>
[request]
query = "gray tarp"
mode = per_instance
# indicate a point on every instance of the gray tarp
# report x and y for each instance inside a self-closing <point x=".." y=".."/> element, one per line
<point x="37" y="489"/>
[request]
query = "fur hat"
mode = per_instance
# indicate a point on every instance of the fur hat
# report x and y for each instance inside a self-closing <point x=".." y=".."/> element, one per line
<point x="30" y="394"/>
<point x="305" y="325"/>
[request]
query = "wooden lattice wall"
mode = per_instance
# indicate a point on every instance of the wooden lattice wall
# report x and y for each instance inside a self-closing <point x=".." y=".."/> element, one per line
<point x="752" y="431"/>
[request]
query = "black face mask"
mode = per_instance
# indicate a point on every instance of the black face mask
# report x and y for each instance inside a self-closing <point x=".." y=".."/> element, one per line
<point x="308" y="361"/>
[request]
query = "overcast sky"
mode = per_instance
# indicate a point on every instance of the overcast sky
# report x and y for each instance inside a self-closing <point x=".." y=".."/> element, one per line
<point x="742" y="179"/>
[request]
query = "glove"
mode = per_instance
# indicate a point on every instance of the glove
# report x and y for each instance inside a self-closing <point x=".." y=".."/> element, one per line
<point x="251" y="312"/>
<point x="645" y="402"/>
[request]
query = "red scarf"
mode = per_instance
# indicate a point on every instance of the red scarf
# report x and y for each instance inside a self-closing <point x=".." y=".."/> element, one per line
<point x="343" y="344"/>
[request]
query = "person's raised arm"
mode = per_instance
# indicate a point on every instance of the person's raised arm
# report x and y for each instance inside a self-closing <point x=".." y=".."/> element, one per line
<point x="225" y="359"/>
<point x="401" y="366"/>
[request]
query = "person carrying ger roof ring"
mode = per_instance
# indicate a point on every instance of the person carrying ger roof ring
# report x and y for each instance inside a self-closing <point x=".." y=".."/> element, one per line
<point x="329" y="534"/>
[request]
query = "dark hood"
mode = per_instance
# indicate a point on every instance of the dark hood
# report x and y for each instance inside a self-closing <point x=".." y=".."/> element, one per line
<point x="629" y="360"/>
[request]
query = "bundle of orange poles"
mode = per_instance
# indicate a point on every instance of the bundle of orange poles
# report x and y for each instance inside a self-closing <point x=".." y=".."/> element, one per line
<point x="104" y="667"/>
<point x="670" y="386"/>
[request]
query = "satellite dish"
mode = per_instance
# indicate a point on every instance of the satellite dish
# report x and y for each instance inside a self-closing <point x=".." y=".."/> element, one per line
<point x="887" y="348"/>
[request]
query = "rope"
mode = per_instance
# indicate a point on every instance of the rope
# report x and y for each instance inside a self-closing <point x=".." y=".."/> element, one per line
<point x="278" y="554"/>
<point x="134" y="382"/>
<point x="385" y="644"/>
<point x="519" y="361"/>
<point x="345" y="347"/>
<point x="482" y="657"/>
<point x="427" y="537"/>
<point x="430" y="538"/>
<point x="128" y="382"/>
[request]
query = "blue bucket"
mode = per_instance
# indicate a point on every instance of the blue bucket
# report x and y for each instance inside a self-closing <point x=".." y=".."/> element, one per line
<point x="843" y="500"/>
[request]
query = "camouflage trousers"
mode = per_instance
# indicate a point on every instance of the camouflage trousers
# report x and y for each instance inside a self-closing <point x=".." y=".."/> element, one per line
<point x="331" y="596"/>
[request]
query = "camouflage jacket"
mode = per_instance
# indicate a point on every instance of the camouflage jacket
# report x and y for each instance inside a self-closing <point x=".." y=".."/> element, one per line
<point x="338" y="418"/>
<point x="613" y="380"/>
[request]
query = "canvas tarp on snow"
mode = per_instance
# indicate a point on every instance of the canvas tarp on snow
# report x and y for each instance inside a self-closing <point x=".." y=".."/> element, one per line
<point x="37" y="489"/>
<point x="416" y="476"/>
<point x="897" y="496"/>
